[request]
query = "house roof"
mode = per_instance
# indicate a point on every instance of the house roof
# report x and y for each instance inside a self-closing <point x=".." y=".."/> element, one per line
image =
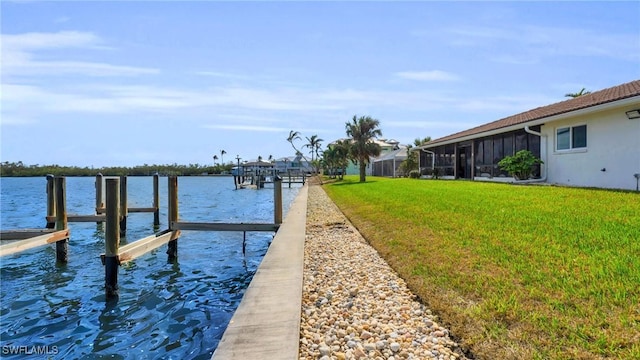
<point x="398" y="154"/>
<point x="257" y="164"/>
<point x="600" y="97"/>
<point x="380" y="141"/>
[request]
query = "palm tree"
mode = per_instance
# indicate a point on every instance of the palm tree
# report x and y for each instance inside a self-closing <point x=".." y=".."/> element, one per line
<point x="294" y="135"/>
<point x="222" y="152"/>
<point x="418" y="141"/>
<point x="215" y="157"/>
<point x="314" y="145"/>
<point x="336" y="157"/>
<point x="583" y="91"/>
<point x="362" y="130"/>
<point x="342" y="155"/>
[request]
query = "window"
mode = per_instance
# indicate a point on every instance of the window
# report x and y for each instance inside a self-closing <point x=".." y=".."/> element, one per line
<point x="579" y="138"/>
<point x="574" y="137"/>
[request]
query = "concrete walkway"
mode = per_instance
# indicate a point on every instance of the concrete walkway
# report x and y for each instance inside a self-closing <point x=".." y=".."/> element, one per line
<point x="266" y="324"/>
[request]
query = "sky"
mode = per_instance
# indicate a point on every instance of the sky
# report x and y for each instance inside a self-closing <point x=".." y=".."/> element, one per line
<point x="126" y="83"/>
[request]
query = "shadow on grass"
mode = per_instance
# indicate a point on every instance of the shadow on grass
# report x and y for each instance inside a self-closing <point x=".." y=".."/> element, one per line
<point x="349" y="182"/>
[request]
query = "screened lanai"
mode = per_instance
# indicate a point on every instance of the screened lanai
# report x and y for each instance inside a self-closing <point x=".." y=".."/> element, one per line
<point x="388" y="164"/>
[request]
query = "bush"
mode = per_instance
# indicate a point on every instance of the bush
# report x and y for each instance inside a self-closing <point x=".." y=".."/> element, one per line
<point x="414" y="174"/>
<point x="520" y="165"/>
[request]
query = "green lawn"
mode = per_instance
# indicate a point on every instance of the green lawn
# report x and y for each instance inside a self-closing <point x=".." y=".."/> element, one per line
<point x="522" y="272"/>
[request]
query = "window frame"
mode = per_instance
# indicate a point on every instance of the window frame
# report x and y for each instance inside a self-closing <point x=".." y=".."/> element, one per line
<point x="571" y="148"/>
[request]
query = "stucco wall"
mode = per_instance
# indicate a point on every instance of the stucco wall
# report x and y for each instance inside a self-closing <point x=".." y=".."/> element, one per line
<point x="613" y="143"/>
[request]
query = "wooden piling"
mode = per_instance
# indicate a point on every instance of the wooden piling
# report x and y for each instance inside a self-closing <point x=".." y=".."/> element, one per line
<point x="156" y="199"/>
<point x="277" y="199"/>
<point x="51" y="202"/>
<point x="172" y="250"/>
<point x="124" y="210"/>
<point x="112" y="238"/>
<point x="99" y="203"/>
<point x="62" y="246"/>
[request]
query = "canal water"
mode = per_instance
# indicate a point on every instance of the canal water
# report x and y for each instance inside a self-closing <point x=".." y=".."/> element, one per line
<point x="165" y="310"/>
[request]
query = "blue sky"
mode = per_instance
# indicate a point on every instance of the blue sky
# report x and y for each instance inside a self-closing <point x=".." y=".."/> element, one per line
<point x="161" y="82"/>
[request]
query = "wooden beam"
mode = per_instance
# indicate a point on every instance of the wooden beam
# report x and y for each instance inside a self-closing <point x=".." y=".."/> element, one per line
<point x="86" y="218"/>
<point x="21" y="245"/>
<point x="135" y="249"/>
<point x="142" y="209"/>
<point x="22" y="234"/>
<point x="179" y="225"/>
<point x="82" y="218"/>
<point x="131" y="210"/>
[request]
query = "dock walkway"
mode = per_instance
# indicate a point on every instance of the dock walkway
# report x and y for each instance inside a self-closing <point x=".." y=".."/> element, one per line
<point x="266" y="324"/>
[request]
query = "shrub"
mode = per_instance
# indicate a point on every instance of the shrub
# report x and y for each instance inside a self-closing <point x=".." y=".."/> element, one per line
<point x="520" y="165"/>
<point x="435" y="173"/>
<point x="414" y="174"/>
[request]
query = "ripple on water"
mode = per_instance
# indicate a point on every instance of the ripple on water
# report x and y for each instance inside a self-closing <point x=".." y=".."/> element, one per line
<point x="165" y="310"/>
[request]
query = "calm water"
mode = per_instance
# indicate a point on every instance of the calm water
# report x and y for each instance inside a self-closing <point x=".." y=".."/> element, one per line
<point x="165" y="310"/>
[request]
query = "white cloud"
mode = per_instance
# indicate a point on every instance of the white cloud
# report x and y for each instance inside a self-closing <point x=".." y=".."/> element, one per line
<point x="433" y="75"/>
<point x="250" y="102"/>
<point x="59" y="68"/>
<point x="529" y="43"/>
<point x="430" y="124"/>
<point x="223" y="75"/>
<point x="507" y="105"/>
<point x="20" y="56"/>
<point x="247" y="128"/>
<point x="38" y="41"/>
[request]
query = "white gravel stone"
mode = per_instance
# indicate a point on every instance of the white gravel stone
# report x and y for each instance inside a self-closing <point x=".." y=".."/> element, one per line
<point x="354" y="306"/>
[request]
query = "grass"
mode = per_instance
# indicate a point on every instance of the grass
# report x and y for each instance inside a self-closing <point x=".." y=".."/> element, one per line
<point x="516" y="272"/>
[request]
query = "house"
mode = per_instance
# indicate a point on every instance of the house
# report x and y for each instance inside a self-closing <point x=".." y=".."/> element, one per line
<point x="386" y="146"/>
<point x="294" y="164"/>
<point x="592" y="141"/>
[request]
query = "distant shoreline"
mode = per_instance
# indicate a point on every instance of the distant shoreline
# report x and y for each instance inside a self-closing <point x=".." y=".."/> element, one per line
<point x="136" y="175"/>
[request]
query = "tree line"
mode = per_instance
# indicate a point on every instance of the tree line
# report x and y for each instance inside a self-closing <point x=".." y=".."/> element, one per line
<point x="19" y="169"/>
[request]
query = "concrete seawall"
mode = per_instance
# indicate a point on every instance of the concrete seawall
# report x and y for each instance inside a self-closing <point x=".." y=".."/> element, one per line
<point x="266" y="324"/>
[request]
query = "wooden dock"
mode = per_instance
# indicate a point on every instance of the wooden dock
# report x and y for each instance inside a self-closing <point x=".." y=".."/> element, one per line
<point x="115" y="255"/>
<point x="112" y="211"/>
<point x="251" y="177"/>
<point x="56" y="232"/>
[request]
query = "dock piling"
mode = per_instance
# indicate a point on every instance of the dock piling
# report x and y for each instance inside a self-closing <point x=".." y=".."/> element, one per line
<point x="62" y="246"/>
<point x="156" y="199"/>
<point x="99" y="203"/>
<point x="172" y="250"/>
<point x="112" y="238"/>
<point x="277" y="200"/>
<point x="124" y="210"/>
<point x="51" y="202"/>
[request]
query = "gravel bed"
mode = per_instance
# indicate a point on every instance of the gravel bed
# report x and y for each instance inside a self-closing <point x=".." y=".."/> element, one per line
<point x="354" y="306"/>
